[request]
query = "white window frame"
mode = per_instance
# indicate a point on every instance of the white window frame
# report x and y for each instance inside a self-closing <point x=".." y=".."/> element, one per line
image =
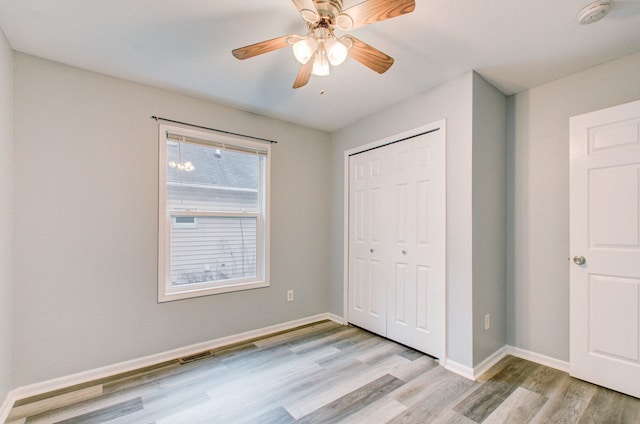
<point x="167" y="292"/>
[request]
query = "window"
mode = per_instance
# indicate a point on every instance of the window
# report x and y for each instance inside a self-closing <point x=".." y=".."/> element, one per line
<point x="185" y="222"/>
<point x="213" y="214"/>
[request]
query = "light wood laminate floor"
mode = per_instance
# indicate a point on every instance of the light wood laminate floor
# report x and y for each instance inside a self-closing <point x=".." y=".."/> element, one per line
<point x="326" y="373"/>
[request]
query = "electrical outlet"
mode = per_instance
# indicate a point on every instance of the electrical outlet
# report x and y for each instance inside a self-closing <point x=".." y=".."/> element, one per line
<point x="289" y="295"/>
<point x="487" y="321"/>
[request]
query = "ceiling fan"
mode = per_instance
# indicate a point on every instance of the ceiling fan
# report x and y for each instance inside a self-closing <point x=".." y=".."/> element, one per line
<point x="320" y="47"/>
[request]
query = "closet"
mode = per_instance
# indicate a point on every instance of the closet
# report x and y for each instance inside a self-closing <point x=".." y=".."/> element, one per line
<point x="396" y="240"/>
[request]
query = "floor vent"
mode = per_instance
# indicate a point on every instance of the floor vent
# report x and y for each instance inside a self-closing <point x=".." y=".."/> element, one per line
<point x="196" y="357"/>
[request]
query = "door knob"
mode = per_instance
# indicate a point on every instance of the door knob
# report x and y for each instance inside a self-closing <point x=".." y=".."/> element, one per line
<point x="371" y="250"/>
<point x="404" y="252"/>
<point x="579" y="260"/>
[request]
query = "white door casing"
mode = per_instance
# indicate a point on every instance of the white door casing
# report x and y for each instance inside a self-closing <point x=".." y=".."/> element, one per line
<point x="407" y="239"/>
<point x="605" y="231"/>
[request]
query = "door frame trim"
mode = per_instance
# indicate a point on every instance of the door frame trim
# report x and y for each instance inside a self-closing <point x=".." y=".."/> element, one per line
<point x="440" y="125"/>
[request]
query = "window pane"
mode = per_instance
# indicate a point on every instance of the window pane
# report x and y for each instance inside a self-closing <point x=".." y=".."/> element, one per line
<point x="220" y="248"/>
<point x="209" y="179"/>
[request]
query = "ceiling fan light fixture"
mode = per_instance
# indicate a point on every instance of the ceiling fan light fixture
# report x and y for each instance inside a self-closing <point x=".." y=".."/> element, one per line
<point x="344" y="22"/>
<point x="336" y="51"/>
<point x="321" y="64"/>
<point x="310" y="16"/>
<point x="304" y="49"/>
<point x="320" y="48"/>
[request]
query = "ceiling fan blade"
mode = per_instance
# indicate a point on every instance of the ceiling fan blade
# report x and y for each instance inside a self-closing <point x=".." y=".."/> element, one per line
<point x="372" y="11"/>
<point x="369" y="56"/>
<point x="303" y="75"/>
<point x="262" y="47"/>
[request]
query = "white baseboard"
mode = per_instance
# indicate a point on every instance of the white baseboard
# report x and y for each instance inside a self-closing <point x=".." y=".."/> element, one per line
<point x="126" y="366"/>
<point x="458" y="368"/>
<point x="485" y="365"/>
<point x="335" y="318"/>
<point x="475" y="372"/>
<point x="538" y="358"/>
<point x="5" y="407"/>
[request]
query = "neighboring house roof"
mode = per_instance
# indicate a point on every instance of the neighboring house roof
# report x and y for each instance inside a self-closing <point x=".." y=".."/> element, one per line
<point x="212" y="167"/>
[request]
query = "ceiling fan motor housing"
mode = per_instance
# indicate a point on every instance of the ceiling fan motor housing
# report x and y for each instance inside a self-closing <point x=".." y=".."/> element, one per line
<point x="328" y="8"/>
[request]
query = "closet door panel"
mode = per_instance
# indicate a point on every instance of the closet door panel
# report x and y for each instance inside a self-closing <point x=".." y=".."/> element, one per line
<point x="429" y="174"/>
<point x="367" y="268"/>
<point x="402" y="286"/>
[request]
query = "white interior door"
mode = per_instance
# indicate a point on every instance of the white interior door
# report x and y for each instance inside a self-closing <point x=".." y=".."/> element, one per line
<point x="605" y="235"/>
<point x="397" y="233"/>
<point x="418" y="232"/>
<point x="367" y="245"/>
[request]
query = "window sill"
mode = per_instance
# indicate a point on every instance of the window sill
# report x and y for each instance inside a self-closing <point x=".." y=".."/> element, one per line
<point x="208" y="291"/>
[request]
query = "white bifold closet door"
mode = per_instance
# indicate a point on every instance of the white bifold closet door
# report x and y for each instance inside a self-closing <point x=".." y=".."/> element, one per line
<point x="397" y="241"/>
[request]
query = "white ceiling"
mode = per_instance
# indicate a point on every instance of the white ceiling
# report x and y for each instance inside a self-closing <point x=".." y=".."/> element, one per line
<point x="186" y="46"/>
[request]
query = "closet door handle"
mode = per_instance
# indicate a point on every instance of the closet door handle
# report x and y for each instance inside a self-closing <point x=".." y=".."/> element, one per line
<point x="404" y="252"/>
<point x="371" y="250"/>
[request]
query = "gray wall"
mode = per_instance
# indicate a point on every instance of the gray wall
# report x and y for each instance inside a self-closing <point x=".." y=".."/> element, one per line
<point x="538" y="193"/>
<point x="86" y="166"/>
<point x="6" y="216"/>
<point x="489" y="218"/>
<point x="453" y="101"/>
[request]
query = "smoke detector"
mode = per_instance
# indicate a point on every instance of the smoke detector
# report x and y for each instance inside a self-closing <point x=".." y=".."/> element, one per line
<point x="594" y="12"/>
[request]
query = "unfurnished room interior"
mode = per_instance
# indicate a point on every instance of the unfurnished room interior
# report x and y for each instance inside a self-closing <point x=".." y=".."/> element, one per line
<point x="319" y="211"/>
